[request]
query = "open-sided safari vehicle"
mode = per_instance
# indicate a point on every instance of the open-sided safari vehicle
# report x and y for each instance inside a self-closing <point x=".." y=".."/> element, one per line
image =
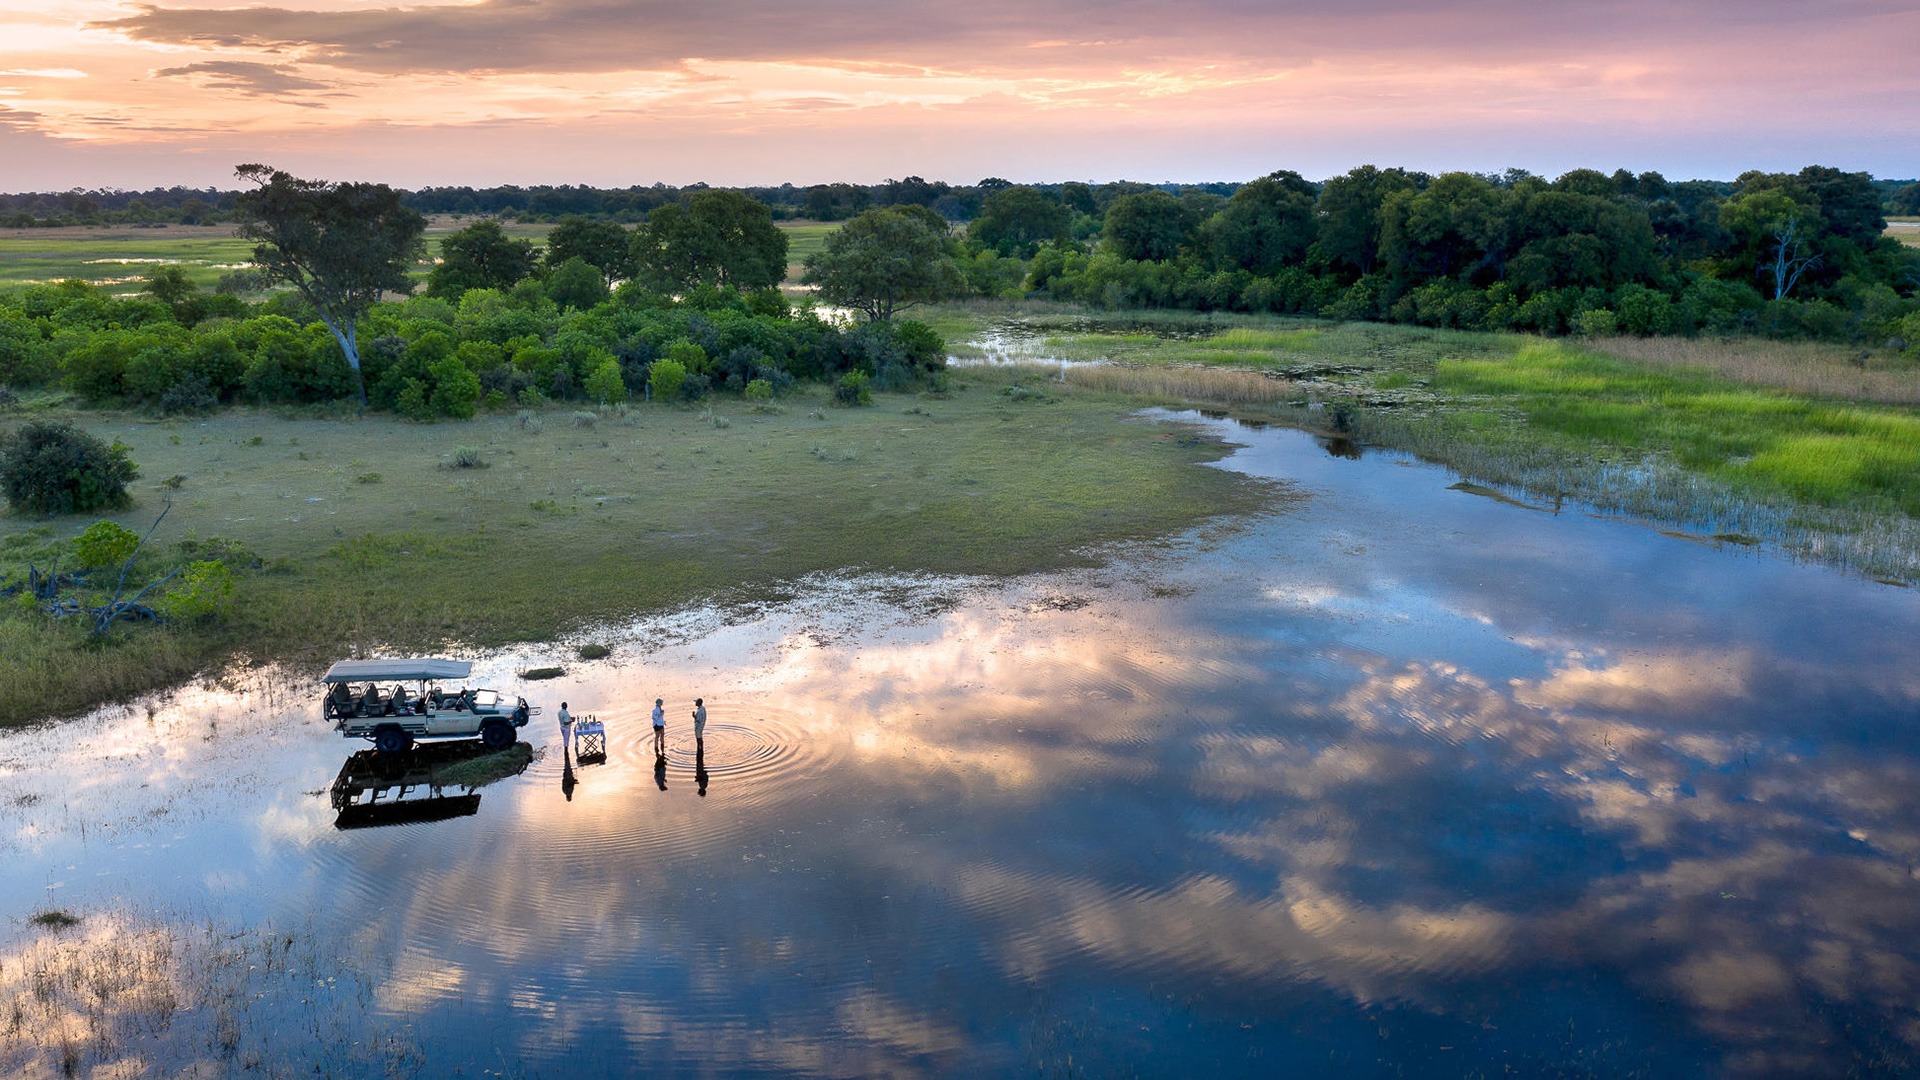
<point x="394" y="702"/>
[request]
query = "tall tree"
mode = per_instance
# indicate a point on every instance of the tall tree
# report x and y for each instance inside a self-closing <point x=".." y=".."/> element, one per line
<point x="1778" y="233"/>
<point x="1267" y="224"/>
<point x="1349" y="212"/>
<point x="716" y="237"/>
<point x="885" y="260"/>
<point x="341" y="245"/>
<point x="1149" y="226"/>
<point x="603" y="245"/>
<point x="1017" y="219"/>
<point x="481" y="256"/>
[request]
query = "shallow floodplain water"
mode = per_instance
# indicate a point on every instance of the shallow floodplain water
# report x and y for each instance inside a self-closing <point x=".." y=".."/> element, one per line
<point x="1400" y="779"/>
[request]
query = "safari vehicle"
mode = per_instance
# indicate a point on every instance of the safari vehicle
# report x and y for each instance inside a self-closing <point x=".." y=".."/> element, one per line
<point x="394" y="702"/>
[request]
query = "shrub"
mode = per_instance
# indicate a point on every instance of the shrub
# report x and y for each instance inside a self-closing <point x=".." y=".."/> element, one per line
<point x="193" y="394"/>
<point x="104" y="544"/>
<point x="203" y="590"/>
<point x="853" y="389"/>
<point x="759" y="391"/>
<point x="53" y="467"/>
<point x="1596" y="323"/>
<point x="667" y="375"/>
<point x="604" y="385"/>
<point x="456" y="389"/>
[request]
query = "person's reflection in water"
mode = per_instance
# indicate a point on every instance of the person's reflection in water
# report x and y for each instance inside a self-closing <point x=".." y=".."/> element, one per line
<point x="660" y="771"/>
<point x="700" y="766"/>
<point x="567" y="782"/>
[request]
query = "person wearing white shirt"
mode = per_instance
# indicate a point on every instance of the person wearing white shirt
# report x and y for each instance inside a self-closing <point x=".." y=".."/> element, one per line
<point x="659" y="728"/>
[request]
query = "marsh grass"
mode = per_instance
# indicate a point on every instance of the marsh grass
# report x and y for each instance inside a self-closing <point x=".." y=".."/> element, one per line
<point x="133" y="996"/>
<point x="1802" y="367"/>
<point x="1770" y="444"/>
<point x="683" y="511"/>
<point x="1804" y="445"/>
<point x="1198" y="385"/>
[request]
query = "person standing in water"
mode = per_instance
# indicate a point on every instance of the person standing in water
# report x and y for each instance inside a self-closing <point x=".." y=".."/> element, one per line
<point x="659" y="728"/>
<point x="699" y="721"/>
<point x="566" y="729"/>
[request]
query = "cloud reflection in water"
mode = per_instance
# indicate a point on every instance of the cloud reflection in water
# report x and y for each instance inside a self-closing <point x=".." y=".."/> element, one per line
<point x="1403" y="779"/>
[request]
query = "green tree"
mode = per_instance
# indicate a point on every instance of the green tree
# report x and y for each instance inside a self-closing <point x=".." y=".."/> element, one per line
<point x="719" y="238"/>
<point x="1777" y="234"/>
<point x="481" y="256"/>
<point x="884" y="261"/>
<point x="576" y="284"/>
<point x="836" y="202"/>
<point x="1348" y="210"/>
<point x="603" y="245"/>
<point x="171" y="286"/>
<point x="341" y="245"/>
<point x="1150" y="226"/>
<point x="1016" y="220"/>
<point x="1267" y="224"/>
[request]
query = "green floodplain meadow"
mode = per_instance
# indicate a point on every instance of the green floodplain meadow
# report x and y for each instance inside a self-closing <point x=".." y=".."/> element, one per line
<point x="375" y="533"/>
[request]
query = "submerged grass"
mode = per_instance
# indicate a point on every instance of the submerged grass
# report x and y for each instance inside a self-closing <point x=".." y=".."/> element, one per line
<point x="134" y="995"/>
<point x="570" y="527"/>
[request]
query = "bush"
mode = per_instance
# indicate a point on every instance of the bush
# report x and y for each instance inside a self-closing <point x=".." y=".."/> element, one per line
<point x="203" y="590"/>
<point x="853" y="389"/>
<point x="193" y="395"/>
<point x="605" y="385"/>
<point x="104" y="545"/>
<point x="53" y="467"/>
<point x="667" y="375"/>
<point x="1596" y="323"/>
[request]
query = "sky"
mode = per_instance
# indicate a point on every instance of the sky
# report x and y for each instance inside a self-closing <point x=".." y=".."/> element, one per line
<point x="613" y="93"/>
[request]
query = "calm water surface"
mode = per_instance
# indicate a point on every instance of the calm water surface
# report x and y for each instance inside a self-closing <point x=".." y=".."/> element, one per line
<point x="1401" y="779"/>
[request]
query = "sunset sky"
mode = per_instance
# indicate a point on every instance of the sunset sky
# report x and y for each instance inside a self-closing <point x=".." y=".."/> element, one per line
<point x="619" y="92"/>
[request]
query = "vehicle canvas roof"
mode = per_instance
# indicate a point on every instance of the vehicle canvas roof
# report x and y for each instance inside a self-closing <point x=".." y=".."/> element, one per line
<point x="417" y="667"/>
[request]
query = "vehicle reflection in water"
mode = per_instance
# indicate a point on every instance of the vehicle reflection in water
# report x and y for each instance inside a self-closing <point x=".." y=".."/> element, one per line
<point x="377" y="788"/>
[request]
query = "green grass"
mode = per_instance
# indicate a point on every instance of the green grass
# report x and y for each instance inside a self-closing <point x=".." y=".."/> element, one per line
<point x="648" y="510"/>
<point x="119" y="257"/>
<point x="1813" y="447"/>
<point x="1832" y="454"/>
<point x="804" y="238"/>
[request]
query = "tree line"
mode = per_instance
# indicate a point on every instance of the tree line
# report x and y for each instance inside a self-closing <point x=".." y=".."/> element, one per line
<point x="683" y="306"/>
<point x="1787" y="254"/>
<point x="551" y="202"/>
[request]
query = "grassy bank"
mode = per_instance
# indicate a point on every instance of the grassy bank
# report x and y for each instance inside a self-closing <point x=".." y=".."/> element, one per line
<point x="1815" y="448"/>
<point x="375" y="538"/>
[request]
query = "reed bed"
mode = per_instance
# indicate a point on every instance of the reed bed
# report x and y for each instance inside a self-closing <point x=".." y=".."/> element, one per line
<point x="1200" y="385"/>
<point x="1802" y="367"/>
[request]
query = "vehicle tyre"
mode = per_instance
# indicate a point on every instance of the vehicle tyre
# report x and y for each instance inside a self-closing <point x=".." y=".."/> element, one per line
<point x="391" y="740"/>
<point x="497" y="735"/>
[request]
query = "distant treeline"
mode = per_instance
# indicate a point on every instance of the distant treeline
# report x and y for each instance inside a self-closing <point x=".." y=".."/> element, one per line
<point x="1781" y="254"/>
<point x="817" y="202"/>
